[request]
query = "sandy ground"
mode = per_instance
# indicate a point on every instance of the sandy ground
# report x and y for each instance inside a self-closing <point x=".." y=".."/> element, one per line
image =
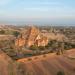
<point x="7" y="67"/>
<point x="50" y="64"/>
<point x="71" y="53"/>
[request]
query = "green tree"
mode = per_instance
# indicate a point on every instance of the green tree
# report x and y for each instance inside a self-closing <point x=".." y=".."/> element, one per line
<point x="34" y="47"/>
<point x="41" y="47"/>
<point x="16" y="33"/>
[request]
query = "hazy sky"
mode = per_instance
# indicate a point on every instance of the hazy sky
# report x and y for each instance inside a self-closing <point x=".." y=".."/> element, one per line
<point x="37" y="11"/>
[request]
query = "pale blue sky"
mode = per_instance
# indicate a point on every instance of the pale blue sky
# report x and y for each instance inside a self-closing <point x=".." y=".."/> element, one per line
<point x="37" y="11"/>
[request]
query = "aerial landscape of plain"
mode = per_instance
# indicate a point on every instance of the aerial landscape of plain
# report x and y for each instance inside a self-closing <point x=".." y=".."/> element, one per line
<point x="37" y="37"/>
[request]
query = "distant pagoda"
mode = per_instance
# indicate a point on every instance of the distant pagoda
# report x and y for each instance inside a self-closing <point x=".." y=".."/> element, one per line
<point x="32" y="37"/>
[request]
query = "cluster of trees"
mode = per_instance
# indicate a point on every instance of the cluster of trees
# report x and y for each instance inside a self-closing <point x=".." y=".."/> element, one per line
<point x="54" y="46"/>
<point x="15" y="33"/>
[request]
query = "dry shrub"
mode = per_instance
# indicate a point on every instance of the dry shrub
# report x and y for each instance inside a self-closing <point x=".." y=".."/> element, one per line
<point x="60" y="73"/>
<point x="36" y="58"/>
<point x="29" y="59"/>
<point x="44" y="55"/>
